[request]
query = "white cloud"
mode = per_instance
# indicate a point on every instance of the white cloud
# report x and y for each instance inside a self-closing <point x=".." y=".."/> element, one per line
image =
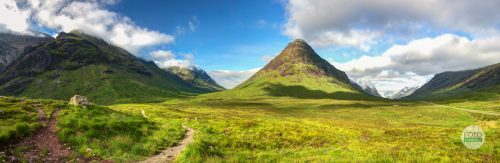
<point x="359" y="23"/>
<point x="165" y="59"/>
<point x="230" y="79"/>
<point x="414" y="63"/>
<point x="90" y="17"/>
<point x="192" y="26"/>
<point x="12" y="18"/>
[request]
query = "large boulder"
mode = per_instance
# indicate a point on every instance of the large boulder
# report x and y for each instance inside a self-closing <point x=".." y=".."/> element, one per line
<point x="78" y="100"/>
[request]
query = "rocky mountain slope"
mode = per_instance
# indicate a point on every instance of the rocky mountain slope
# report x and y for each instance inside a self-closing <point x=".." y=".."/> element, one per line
<point x="13" y="45"/>
<point x="196" y="76"/>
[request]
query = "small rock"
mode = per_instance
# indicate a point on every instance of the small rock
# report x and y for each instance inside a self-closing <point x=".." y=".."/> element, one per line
<point x="78" y="100"/>
<point x="143" y="114"/>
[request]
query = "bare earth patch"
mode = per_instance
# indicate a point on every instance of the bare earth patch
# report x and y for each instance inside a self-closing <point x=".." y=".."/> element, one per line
<point x="169" y="154"/>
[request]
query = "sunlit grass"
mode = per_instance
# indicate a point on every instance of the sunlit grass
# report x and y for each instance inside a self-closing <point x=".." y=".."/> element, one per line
<point x="107" y="134"/>
<point x="19" y="117"/>
<point x="287" y="129"/>
<point x="273" y="129"/>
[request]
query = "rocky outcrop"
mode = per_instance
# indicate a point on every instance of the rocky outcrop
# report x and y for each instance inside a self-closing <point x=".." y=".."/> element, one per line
<point x="78" y="100"/>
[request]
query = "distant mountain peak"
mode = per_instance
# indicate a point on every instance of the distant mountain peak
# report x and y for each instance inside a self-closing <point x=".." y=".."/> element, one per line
<point x="195" y="76"/>
<point x="298" y="71"/>
<point x="368" y="87"/>
<point x="406" y="91"/>
<point x="300" y="58"/>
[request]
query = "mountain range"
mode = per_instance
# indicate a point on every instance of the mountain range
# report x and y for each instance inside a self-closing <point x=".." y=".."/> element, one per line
<point x="77" y="63"/>
<point x="40" y="66"/>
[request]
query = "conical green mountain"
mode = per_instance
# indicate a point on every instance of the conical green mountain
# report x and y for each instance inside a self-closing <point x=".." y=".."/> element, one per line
<point x="76" y="63"/>
<point x="298" y="72"/>
<point x="482" y="83"/>
<point x="196" y="76"/>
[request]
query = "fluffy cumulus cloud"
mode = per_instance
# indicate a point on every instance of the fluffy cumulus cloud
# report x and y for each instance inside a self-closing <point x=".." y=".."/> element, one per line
<point x="165" y="59"/>
<point x="230" y="79"/>
<point x="414" y="63"/>
<point x="359" y="23"/>
<point x="12" y="19"/>
<point x="88" y="16"/>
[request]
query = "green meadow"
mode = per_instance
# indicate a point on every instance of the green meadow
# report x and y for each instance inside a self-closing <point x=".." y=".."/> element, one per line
<point x="291" y="130"/>
<point x="19" y="117"/>
<point x="265" y="129"/>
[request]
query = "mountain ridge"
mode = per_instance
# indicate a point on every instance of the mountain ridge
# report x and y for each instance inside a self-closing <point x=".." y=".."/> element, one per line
<point x="460" y="83"/>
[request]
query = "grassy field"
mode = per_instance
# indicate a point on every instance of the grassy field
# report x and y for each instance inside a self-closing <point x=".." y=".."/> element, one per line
<point x="93" y="132"/>
<point x="291" y="129"/>
<point x="19" y="117"/>
<point x="113" y="135"/>
<point x="281" y="129"/>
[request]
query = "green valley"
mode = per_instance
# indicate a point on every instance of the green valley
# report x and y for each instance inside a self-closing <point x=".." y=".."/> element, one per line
<point x="298" y="108"/>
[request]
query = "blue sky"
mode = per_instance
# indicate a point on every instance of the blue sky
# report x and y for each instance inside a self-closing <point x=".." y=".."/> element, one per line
<point x="229" y="35"/>
<point x="386" y="44"/>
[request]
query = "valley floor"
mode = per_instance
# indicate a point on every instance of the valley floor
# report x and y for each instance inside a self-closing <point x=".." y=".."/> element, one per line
<point x="287" y="129"/>
<point x="252" y="130"/>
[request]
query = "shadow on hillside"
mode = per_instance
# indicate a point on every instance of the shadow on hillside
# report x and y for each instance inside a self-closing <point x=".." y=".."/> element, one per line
<point x="302" y="92"/>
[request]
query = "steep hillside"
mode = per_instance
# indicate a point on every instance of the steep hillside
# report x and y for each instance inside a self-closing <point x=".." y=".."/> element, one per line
<point x="13" y="45"/>
<point x="197" y="77"/>
<point x="479" y="83"/>
<point x="76" y="63"/>
<point x="297" y="72"/>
